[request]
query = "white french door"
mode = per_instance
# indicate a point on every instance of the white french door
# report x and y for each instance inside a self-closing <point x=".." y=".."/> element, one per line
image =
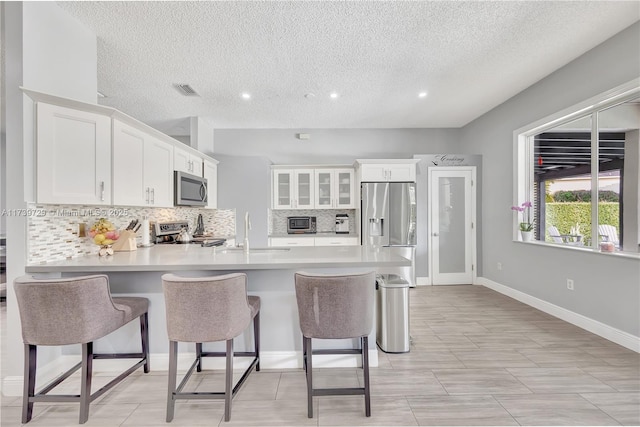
<point x="452" y="225"/>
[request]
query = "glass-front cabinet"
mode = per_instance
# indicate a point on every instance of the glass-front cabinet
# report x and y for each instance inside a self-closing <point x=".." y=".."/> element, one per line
<point x="334" y="188"/>
<point x="293" y="189"/>
<point x="311" y="188"/>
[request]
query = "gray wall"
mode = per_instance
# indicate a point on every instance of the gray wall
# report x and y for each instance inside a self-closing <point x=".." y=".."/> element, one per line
<point x="606" y="287"/>
<point x="334" y="146"/>
<point x="237" y="150"/>
<point x="244" y="185"/>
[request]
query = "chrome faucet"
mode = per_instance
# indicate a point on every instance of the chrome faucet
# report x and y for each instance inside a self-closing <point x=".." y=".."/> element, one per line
<point x="247" y="227"/>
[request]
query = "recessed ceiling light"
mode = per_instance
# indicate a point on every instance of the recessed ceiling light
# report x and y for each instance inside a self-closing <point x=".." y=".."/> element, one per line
<point x="246" y="95"/>
<point x="422" y="95"/>
<point x="333" y="95"/>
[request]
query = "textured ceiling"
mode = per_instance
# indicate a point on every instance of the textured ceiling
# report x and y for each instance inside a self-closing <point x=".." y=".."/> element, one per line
<point x="468" y="56"/>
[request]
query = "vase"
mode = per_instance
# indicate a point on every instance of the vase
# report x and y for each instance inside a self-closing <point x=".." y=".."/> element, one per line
<point x="526" y="235"/>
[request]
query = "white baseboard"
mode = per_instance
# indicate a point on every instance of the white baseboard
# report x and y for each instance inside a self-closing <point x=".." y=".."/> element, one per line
<point x="423" y="281"/>
<point x="610" y="333"/>
<point x="12" y="385"/>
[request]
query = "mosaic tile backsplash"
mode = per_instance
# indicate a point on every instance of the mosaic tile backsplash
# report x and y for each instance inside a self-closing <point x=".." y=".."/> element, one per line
<point x="53" y="229"/>
<point x="326" y="219"/>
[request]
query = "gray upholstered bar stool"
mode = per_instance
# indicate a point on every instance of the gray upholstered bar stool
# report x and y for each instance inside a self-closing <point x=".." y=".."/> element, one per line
<point x="335" y="307"/>
<point x="208" y="309"/>
<point x="76" y="310"/>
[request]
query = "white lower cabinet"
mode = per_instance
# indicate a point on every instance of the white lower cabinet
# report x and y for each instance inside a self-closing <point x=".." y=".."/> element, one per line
<point x="291" y="241"/>
<point x="336" y="241"/>
<point x="142" y="168"/>
<point x="313" y="241"/>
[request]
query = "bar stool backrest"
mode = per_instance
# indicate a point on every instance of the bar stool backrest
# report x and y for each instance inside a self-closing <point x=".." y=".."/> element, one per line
<point x="206" y="309"/>
<point x="335" y="306"/>
<point x="60" y="311"/>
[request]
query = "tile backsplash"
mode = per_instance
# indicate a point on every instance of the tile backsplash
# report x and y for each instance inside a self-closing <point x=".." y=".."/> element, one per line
<point x="326" y="219"/>
<point x="52" y="230"/>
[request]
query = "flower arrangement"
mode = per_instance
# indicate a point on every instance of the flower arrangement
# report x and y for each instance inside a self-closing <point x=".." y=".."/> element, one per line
<point x="526" y="224"/>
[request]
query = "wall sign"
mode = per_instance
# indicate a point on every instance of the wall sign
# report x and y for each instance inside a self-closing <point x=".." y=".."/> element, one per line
<point x="449" y="160"/>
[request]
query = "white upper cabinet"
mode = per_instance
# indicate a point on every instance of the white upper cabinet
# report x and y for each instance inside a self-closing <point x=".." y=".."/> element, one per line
<point x="142" y="168"/>
<point x="73" y="156"/>
<point x="293" y="189"/>
<point x="186" y="162"/>
<point x="392" y="170"/>
<point x="211" y="174"/>
<point x="334" y="189"/>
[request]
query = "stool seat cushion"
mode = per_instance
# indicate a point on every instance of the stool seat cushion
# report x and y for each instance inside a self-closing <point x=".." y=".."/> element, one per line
<point x="73" y="310"/>
<point x="207" y="309"/>
<point x="335" y="306"/>
<point x="133" y="307"/>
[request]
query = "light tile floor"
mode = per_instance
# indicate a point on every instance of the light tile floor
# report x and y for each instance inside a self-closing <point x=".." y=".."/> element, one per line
<point x="477" y="358"/>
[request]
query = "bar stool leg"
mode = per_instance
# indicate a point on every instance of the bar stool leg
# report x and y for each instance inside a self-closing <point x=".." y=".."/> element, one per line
<point x="144" y="333"/>
<point x="309" y="359"/>
<point x="173" y="372"/>
<point x="256" y="338"/>
<point x="85" y="386"/>
<point x="199" y="356"/>
<point x="365" y="367"/>
<point x="228" y="390"/>
<point x="30" y="358"/>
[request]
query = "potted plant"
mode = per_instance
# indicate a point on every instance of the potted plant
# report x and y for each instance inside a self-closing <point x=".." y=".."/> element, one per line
<point x="526" y="226"/>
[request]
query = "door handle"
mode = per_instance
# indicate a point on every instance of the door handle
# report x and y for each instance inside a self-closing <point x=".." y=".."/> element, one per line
<point x="203" y="192"/>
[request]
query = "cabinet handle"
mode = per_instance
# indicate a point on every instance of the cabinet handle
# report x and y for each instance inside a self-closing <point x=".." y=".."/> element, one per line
<point x="390" y="173"/>
<point x="146" y="199"/>
<point x="153" y="196"/>
<point x="102" y="191"/>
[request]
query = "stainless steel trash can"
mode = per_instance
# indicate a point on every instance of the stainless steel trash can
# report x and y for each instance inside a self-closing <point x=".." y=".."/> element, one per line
<point x="392" y="313"/>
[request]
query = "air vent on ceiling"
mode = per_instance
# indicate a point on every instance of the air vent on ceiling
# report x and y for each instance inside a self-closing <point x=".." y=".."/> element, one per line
<point x="185" y="89"/>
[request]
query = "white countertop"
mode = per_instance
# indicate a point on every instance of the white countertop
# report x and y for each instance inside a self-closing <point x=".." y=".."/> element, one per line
<point x="195" y="257"/>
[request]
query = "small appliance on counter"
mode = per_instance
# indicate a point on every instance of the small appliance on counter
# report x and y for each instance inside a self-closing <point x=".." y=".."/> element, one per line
<point x="342" y="224"/>
<point x="177" y="232"/>
<point x="301" y="225"/>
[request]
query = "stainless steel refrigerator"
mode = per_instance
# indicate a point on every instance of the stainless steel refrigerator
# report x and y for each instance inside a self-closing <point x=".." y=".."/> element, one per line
<point x="389" y="220"/>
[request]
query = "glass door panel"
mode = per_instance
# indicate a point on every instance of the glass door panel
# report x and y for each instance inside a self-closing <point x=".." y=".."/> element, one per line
<point x="344" y="187"/>
<point x="451" y="210"/>
<point x="283" y="189"/>
<point x="324" y="197"/>
<point x="305" y="189"/>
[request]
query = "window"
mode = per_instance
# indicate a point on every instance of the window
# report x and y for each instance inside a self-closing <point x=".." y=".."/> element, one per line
<point x="581" y="171"/>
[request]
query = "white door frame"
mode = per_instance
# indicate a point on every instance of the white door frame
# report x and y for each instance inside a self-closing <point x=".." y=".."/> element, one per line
<point x="474" y="263"/>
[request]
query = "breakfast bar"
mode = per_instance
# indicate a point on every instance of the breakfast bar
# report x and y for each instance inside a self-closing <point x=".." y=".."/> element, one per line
<point x="270" y="274"/>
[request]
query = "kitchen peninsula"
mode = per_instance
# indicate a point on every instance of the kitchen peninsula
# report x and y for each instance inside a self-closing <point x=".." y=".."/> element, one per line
<point x="270" y="274"/>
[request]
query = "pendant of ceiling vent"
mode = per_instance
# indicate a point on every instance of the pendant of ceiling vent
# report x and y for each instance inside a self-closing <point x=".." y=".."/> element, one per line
<point x="185" y="89"/>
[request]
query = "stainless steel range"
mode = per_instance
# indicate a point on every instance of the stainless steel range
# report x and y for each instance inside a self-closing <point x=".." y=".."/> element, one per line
<point x="177" y="232"/>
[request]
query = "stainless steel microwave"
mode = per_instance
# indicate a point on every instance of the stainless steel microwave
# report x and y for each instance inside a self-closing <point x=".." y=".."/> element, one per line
<point x="301" y="224"/>
<point x="190" y="190"/>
